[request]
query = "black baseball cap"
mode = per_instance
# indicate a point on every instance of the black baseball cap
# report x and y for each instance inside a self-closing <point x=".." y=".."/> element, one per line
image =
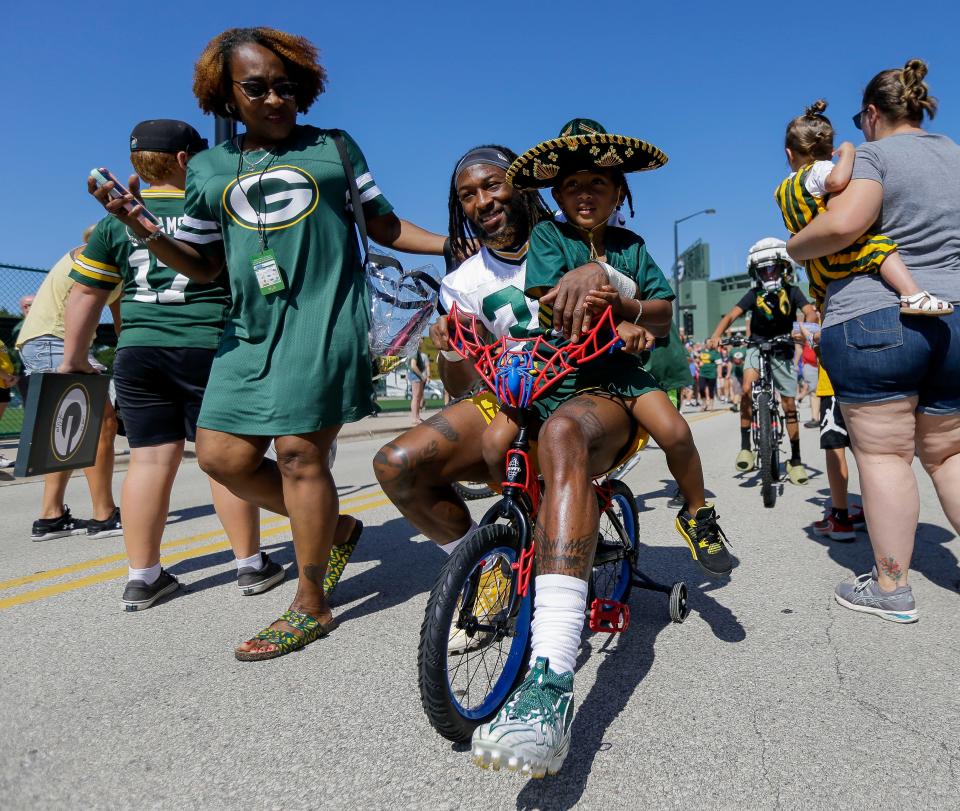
<point x="166" y="135"/>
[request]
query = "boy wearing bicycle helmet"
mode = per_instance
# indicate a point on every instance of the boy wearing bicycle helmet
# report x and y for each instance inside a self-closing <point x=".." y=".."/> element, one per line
<point x="772" y="304"/>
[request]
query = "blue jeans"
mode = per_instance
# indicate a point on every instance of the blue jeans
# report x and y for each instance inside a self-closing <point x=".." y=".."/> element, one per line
<point x="43" y="354"/>
<point x="885" y="356"/>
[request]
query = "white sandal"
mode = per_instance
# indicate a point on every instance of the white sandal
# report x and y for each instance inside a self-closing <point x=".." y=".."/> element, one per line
<point x="923" y="303"/>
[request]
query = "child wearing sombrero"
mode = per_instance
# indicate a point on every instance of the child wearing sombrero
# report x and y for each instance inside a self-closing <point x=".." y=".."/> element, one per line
<point x="585" y="168"/>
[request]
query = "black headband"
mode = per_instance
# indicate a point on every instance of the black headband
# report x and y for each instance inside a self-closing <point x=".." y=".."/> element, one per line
<point x="483" y="154"/>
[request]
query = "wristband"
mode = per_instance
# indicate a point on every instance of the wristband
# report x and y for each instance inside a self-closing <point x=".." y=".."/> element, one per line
<point x="450" y="355"/>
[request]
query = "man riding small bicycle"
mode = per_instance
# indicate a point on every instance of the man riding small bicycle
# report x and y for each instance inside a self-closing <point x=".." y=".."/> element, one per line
<point x="772" y="304"/>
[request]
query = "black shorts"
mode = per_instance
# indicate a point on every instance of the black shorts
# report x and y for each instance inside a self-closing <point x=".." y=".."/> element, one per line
<point x="4" y="395"/>
<point x="833" y="430"/>
<point x="159" y="392"/>
<point x="707" y="386"/>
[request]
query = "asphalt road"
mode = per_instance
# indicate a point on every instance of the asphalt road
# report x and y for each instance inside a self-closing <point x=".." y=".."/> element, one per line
<point x="769" y="696"/>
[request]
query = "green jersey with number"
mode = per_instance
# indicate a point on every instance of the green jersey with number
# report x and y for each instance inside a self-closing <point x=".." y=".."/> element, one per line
<point x="159" y="306"/>
<point x="293" y="360"/>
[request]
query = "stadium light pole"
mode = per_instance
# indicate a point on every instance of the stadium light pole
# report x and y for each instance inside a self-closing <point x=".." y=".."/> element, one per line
<point x="676" y="255"/>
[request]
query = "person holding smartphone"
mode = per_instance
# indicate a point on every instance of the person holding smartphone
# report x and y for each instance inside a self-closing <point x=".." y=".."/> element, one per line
<point x="270" y="208"/>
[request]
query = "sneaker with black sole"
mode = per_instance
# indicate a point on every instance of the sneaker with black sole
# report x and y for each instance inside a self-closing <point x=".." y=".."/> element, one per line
<point x="138" y="595"/>
<point x="107" y="528"/>
<point x="46" y="528"/>
<point x="706" y="540"/>
<point x="256" y="581"/>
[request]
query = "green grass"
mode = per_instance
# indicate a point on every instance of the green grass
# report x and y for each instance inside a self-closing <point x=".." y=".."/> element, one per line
<point x="11" y="422"/>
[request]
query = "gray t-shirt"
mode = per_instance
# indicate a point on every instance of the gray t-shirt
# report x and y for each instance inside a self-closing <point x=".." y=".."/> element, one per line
<point x="920" y="175"/>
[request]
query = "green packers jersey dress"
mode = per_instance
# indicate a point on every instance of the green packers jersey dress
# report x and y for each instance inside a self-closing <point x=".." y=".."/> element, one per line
<point x="556" y="248"/>
<point x="190" y="314"/>
<point x="291" y="360"/>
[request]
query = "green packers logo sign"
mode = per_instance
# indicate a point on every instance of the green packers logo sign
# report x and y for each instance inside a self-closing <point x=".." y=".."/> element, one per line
<point x="70" y="420"/>
<point x="282" y="196"/>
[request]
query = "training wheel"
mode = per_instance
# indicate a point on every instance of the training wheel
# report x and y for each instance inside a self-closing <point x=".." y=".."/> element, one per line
<point x="678" y="602"/>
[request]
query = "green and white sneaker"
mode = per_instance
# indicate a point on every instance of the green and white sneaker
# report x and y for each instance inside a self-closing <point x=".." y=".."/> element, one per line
<point x="531" y="734"/>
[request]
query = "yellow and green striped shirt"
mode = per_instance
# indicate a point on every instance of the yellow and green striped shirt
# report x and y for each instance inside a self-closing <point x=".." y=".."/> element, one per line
<point x="798" y="207"/>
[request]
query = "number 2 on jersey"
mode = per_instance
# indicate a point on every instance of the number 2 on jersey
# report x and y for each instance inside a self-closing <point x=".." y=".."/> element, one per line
<point x="171" y="295"/>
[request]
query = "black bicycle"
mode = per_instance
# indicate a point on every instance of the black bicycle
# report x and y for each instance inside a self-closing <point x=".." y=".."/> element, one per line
<point x="476" y="632"/>
<point x="767" y="420"/>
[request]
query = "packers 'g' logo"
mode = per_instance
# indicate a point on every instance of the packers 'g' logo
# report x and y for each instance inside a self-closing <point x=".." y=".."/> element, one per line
<point x="283" y="195"/>
<point x="70" y="422"/>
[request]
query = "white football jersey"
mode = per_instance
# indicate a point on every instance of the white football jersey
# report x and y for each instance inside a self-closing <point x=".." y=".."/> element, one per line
<point x="490" y="285"/>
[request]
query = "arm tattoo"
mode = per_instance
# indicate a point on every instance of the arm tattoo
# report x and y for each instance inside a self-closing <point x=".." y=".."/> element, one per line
<point x="572" y="557"/>
<point x="442" y="425"/>
<point x="892" y="569"/>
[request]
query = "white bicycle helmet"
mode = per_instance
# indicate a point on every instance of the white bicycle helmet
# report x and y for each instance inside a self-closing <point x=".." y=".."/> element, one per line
<point x="769" y="264"/>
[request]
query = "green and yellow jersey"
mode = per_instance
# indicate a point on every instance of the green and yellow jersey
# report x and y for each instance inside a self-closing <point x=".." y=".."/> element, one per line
<point x="159" y="307"/>
<point x="798" y="206"/>
<point x="294" y="360"/>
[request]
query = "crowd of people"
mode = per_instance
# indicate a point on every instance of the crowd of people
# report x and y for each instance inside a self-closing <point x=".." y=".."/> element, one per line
<point x="242" y="327"/>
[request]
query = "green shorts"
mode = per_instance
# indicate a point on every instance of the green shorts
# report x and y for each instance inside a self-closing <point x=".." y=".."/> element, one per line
<point x="620" y="374"/>
<point x="784" y="371"/>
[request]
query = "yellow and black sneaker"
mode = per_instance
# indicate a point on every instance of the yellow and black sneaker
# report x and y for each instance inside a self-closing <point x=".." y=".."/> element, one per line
<point x="706" y="540"/>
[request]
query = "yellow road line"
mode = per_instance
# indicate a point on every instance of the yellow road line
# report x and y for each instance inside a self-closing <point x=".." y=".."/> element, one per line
<point x="112" y="574"/>
<point x="52" y="574"/>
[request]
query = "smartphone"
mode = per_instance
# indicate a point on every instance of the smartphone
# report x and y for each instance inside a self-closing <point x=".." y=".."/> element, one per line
<point x="103" y="175"/>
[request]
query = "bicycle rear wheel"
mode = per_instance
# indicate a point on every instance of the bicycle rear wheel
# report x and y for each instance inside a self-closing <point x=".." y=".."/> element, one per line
<point x="473" y="650"/>
<point x="769" y="464"/>
<point x="612" y="575"/>
<point x="471" y="491"/>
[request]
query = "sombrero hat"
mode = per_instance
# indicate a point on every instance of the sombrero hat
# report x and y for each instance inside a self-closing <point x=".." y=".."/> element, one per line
<point x="582" y="144"/>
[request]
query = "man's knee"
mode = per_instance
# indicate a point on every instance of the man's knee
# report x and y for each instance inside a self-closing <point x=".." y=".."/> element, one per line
<point x="676" y="436"/>
<point x="563" y="445"/>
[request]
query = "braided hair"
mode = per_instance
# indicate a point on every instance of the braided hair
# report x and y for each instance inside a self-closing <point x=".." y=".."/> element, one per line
<point x="532" y="205"/>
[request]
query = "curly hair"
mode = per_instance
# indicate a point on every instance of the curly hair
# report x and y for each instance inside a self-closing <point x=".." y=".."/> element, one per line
<point x="211" y="75"/>
<point x="811" y="135"/>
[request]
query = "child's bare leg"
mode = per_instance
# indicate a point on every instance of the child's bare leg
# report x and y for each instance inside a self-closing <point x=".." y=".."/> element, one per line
<point x="496" y="441"/>
<point x="913" y="300"/>
<point x="658" y="416"/>
<point x="837" y="476"/>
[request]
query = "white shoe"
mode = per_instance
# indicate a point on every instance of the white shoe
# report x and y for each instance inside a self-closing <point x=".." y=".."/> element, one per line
<point x="531" y="734"/>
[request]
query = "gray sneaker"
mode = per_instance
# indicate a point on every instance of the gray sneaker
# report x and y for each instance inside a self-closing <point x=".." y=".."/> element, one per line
<point x="865" y="595"/>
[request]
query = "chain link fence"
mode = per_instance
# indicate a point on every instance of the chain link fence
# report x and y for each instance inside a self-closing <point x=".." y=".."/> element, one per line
<point x="16" y="281"/>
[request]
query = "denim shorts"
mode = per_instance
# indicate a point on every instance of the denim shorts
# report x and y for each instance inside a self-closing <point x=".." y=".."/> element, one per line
<point x="45" y="354"/>
<point x="882" y="356"/>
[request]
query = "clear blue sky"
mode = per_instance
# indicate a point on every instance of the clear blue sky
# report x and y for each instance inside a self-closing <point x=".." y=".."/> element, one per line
<point x="712" y="84"/>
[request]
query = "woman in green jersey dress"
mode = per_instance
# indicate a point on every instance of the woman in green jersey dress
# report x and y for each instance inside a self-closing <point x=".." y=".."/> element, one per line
<point x="270" y="209"/>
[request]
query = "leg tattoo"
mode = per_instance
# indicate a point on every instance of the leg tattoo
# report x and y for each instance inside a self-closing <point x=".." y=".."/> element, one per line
<point x="892" y="569"/>
<point x="571" y="557"/>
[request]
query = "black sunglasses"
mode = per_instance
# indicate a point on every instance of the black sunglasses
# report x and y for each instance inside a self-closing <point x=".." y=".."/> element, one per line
<point x="256" y="89"/>
<point x="858" y="119"/>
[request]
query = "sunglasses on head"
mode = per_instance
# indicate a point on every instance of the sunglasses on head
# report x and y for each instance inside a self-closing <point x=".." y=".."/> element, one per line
<point x="257" y="89"/>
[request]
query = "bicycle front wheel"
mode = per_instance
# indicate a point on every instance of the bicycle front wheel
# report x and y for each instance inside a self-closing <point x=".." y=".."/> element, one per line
<point x="475" y="639"/>
<point x="769" y="474"/>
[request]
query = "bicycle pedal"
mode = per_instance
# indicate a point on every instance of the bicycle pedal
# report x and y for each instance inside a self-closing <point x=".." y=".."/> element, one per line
<point x="609" y="617"/>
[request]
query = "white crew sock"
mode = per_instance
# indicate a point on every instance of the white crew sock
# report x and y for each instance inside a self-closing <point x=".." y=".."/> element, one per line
<point x="559" y="610"/>
<point x="451" y="547"/>
<point x="255" y="561"/>
<point x="148" y="575"/>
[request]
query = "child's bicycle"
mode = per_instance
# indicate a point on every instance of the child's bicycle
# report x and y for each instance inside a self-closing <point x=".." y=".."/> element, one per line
<point x="767" y="421"/>
<point x="475" y="638"/>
